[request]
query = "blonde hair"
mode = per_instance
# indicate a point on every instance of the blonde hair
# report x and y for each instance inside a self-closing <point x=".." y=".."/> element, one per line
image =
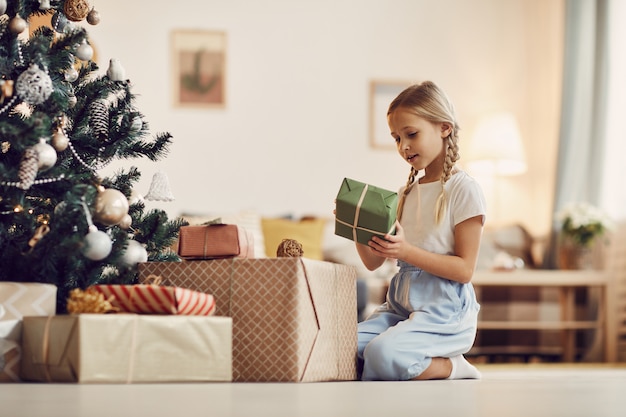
<point x="429" y="102"/>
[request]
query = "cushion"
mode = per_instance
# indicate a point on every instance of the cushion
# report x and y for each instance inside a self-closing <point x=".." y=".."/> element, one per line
<point x="308" y="232"/>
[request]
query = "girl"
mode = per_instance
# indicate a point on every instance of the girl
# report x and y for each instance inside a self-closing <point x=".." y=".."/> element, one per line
<point x="430" y="316"/>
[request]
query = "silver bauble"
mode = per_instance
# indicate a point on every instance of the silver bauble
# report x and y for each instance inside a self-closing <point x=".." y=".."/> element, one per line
<point x="134" y="253"/>
<point x="47" y="156"/>
<point x="97" y="245"/>
<point x="84" y="51"/>
<point x="111" y="207"/>
<point x="93" y="18"/>
<point x="59" y="22"/>
<point x="3" y="6"/>
<point x="71" y="74"/>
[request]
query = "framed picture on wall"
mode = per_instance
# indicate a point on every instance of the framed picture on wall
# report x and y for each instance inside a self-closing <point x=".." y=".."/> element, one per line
<point x="199" y="68"/>
<point x="382" y="94"/>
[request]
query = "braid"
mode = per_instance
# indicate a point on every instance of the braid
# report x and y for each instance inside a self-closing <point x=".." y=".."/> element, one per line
<point x="407" y="188"/>
<point x="452" y="155"/>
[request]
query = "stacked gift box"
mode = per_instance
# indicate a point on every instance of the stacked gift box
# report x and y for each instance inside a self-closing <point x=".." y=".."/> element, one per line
<point x="294" y="319"/>
<point x="218" y="315"/>
<point x="157" y="334"/>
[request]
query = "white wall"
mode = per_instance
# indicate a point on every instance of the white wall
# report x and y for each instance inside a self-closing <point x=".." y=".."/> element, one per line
<point x="296" y="119"/>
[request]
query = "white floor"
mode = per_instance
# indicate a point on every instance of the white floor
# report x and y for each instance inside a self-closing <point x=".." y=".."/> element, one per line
<point x="504" y="391"/>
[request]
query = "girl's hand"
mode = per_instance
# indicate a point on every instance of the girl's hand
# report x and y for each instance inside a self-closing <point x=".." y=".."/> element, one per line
<point x="392" y="246"/>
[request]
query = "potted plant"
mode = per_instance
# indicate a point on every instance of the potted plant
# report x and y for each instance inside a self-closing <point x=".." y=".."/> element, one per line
<point x="581" y="225"/>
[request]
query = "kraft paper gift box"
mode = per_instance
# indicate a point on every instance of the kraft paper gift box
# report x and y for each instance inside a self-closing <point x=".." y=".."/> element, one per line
<point x="127" y="348"/>
<point x="294" y="319"/>
<point x="157" y="299"/>
<point x="19" y="299"/>
<point x="215" y="240"/>
<point x="363" y="210"/>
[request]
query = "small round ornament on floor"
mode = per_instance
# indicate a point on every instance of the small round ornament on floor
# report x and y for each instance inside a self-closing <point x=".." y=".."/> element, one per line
<point x="289" y="248"/>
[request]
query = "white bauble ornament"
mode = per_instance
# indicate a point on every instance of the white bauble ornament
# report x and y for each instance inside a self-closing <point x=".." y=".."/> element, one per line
<point x="126" y="222"/>
<point x="134" y="253"/>
<point x="97" y="244"/>
<point x="46" y="155"/>
<point x="3" y="6"/>
<point x="34" y="86"/>
<point x="84" y="51"/>
<point x="111" y="207"/>
<point x="71" y="74"/>
<point x="60" y="141"/>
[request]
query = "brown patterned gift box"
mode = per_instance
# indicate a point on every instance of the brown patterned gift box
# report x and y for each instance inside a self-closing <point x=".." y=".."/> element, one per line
<point x="294" y="319"/>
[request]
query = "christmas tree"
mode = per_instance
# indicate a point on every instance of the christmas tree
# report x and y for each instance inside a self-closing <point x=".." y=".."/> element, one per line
<point x="61" y="122"/>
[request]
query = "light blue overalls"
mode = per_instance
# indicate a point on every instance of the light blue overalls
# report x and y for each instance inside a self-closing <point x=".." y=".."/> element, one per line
<point x="424" y="317"/>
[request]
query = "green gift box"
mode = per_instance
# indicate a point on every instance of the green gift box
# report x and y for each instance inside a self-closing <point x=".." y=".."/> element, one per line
<point x="363" y="211"/>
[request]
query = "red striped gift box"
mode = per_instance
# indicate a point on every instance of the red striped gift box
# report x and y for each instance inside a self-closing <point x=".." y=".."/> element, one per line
<point x="158" y="299"/>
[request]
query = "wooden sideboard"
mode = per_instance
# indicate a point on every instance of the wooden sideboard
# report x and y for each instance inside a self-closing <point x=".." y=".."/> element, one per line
<point x="566" y="282"/>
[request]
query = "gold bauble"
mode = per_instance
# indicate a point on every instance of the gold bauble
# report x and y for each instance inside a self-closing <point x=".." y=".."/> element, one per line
<point x="60" y="141"/>
<point x="111" y="207"/>
<point x="126" y="222"/>
<point x="17" y="25"/>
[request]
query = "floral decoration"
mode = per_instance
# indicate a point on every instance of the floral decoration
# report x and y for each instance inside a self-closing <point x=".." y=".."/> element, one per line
<point x="582" y="223"/>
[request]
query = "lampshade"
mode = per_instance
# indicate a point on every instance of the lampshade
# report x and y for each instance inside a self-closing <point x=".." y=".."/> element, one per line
<point x="496" y="147"/>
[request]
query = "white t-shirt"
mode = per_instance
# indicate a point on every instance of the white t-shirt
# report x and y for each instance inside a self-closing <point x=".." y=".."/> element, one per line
<point x="464" y="198"/>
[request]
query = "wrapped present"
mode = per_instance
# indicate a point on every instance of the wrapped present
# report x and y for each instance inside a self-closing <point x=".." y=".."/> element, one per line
<point x="10" y="355"/>
<point x="126" y="348"/>
<point x="294" y="319"/>
<point x="363" y="211"/>
<point x="19" y="299"/>
<point x="217" y="240"/>
<point x="157" y="299"/>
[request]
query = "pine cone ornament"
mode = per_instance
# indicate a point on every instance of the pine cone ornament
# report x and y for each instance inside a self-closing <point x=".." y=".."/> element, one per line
<point x="29" y="165"/>
<point x="99" y="119"/>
